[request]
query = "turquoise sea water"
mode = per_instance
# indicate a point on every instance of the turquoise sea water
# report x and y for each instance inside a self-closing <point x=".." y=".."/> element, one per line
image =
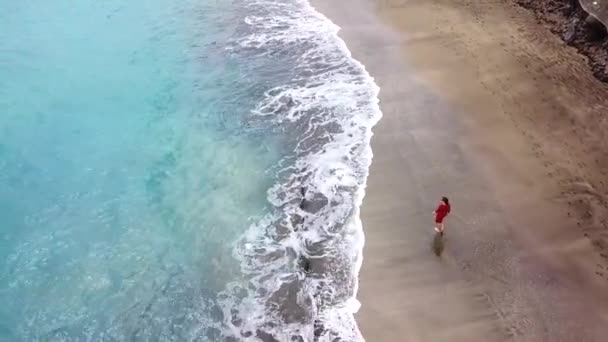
<point x="120" y="177"/>
<point x="145" y="151"/>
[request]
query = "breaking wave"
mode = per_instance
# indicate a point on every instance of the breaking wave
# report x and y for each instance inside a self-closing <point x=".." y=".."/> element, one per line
<point x="301" y="260"/>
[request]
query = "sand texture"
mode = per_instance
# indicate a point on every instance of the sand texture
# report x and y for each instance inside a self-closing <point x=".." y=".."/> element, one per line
<point x="487" y="107"/>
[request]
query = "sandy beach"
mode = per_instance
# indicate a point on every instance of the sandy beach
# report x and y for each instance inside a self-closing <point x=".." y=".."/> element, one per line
<point x="484" y="105"/>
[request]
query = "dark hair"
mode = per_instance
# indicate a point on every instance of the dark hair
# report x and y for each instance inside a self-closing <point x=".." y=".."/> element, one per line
<point x="445" y="200"/>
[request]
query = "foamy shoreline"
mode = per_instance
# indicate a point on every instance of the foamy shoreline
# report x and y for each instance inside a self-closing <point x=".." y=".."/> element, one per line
<point x="353" y="305"/>
<point x="302" y="258"/>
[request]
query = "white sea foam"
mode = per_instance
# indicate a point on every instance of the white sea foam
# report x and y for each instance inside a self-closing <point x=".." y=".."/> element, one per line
<point x="302" y="259"/>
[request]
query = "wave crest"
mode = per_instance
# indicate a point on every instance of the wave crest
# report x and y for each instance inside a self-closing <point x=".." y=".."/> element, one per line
<point x="301" y="260"/>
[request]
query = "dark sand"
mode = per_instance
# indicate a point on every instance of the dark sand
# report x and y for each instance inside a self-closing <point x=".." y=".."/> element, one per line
<point x="580" y="23"/>
<point x="483" y="105"/>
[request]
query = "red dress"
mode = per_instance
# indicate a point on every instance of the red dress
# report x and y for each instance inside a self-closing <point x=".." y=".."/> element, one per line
<point x="441" y="212"/>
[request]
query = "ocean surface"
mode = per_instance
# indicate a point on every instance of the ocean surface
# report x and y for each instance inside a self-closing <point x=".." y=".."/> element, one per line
<point x="179" y="170"/>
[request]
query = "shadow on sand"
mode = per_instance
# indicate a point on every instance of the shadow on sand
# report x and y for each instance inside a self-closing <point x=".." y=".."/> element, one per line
<point x="437" y="244"/>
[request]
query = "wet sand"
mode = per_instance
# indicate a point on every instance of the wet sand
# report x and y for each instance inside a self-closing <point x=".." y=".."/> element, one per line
<point x="483" y="105"/>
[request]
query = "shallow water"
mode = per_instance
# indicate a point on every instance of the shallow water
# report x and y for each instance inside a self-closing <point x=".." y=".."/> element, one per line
<point x="151" y="153"/>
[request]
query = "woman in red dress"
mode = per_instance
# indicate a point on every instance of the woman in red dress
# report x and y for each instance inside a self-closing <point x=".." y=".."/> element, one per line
<point x="440" y="213"/>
